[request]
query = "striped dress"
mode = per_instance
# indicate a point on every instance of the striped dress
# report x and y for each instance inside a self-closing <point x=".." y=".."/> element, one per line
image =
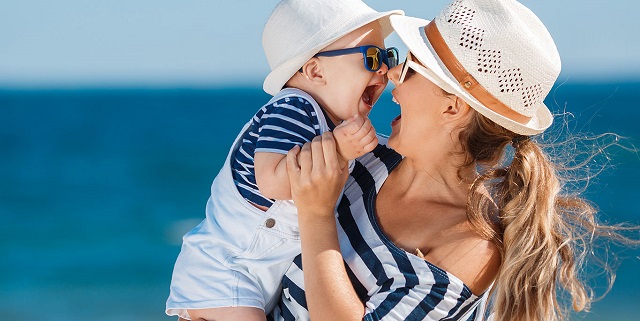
<point x="393" y="284"/>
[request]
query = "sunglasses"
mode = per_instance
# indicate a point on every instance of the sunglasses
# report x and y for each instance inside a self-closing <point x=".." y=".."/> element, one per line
<point x="373" y="56"/>
<point x="416" y="67"/>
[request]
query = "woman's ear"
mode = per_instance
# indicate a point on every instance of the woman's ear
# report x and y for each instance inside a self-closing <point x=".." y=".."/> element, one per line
<point x="456" y="108"/>
<point x="312" y="71"/>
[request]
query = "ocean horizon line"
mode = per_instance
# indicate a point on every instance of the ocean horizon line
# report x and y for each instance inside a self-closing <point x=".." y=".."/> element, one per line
<point x="251" y="84"/>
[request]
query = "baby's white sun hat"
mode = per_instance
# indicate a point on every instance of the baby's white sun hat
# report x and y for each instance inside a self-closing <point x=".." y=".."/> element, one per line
<point x="299" y="29"/>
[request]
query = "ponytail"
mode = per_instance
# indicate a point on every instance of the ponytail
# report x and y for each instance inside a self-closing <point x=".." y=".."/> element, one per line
<point x="538" y="239"/>
<point x="543" y="233"/>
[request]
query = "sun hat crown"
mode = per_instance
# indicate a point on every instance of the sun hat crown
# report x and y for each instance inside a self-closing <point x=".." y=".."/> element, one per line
<point x="298" y="29"/>
<point x="495" y="54"/>
<point x="499" y="43"/>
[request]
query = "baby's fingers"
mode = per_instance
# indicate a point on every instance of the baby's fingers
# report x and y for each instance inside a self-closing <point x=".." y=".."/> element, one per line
<point x="370" y="141"/>
<point x="365" y="129"/>
<point x="350" y="126"/>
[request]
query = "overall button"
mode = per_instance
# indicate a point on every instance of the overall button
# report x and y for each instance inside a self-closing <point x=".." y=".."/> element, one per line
<point x="270" y="223"/>
<point x="286" y="294"/>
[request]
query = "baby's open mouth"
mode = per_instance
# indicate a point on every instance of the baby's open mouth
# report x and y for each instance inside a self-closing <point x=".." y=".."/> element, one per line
<point x="368" y="96"/>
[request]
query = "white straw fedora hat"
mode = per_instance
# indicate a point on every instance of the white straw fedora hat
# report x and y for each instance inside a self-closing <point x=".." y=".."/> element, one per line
<point x="495" y="54"/>
<point x="299" y="29"/>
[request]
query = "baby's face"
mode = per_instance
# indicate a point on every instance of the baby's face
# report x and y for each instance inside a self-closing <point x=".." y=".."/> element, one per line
<point x="351" y="88"/>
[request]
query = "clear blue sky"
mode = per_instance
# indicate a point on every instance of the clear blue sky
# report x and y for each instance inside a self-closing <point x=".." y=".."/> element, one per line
<point x="212" y="42"/>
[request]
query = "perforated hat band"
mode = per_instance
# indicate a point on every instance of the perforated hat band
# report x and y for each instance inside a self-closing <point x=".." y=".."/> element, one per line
<point x="466" y="80"/>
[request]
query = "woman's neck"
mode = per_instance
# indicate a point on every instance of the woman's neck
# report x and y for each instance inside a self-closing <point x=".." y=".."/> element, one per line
<point x="437" y="181"/>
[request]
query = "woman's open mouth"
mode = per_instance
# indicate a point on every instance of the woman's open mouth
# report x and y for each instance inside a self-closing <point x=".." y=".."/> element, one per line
<point x="396" y="120"/>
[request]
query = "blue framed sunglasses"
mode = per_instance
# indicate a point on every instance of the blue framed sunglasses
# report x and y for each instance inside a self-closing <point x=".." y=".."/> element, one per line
<point x="373" y="56"/>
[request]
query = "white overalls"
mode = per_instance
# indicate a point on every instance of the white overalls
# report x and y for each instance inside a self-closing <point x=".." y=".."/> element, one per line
<point x="238" y="254"/>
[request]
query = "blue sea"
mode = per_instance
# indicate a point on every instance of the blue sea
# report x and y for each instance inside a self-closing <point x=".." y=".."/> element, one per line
<point x="97" y="187"/>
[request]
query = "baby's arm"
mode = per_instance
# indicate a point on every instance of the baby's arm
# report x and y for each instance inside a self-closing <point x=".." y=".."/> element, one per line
<point x="271" y="175"/>
<point x="354" y="138"/>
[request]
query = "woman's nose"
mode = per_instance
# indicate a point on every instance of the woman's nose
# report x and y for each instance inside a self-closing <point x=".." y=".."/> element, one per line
<point x="394" y="74"/>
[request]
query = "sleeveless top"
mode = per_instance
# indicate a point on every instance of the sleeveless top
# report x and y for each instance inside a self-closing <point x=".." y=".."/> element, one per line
<point x="392" y="283"/>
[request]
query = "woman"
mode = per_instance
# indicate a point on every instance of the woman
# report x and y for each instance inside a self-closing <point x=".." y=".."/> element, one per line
<point x="426" y="235"/>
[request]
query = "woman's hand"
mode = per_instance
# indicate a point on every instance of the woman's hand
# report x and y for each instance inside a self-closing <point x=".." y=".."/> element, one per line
<point x="315" y="176"/>
<point x="316" y="183"/>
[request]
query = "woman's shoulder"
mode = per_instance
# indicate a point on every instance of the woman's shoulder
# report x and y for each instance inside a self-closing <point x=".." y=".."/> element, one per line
<point x="472" y="259"/>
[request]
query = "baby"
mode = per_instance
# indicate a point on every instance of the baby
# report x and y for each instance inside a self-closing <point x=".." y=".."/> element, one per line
<point x="328" y="67"/>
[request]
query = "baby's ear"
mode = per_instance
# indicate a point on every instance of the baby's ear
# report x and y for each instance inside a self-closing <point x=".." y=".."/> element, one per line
<point x="312" y="71"/>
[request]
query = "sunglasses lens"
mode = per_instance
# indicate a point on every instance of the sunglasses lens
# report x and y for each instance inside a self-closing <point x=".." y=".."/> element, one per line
<point x="392" y="57"/>
<point x="373" y="59"/>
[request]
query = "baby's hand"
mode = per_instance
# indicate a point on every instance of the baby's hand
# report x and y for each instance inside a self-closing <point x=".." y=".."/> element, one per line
<point x="355" y="137"/>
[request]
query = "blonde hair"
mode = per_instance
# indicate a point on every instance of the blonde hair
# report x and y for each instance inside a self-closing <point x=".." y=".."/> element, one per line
<point x="544" y="233"/>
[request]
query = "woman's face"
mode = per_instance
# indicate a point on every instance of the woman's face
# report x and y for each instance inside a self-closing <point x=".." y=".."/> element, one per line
<point x="419" y="101"/>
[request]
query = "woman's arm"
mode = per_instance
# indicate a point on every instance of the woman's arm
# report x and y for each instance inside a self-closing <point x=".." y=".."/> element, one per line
<point x="316" y="183"/>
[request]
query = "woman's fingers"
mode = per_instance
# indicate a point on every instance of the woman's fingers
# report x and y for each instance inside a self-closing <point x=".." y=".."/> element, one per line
<point x="316" y="159"/>
<point x="329" y="151"/>
<point x="305" y="160"/>
<point x="315" y="176"/>
<point x="317" y="155"/>
<point x="292" y="161"/>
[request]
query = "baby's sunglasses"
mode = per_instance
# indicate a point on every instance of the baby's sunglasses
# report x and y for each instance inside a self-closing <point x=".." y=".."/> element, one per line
<point x="373" y="56"/>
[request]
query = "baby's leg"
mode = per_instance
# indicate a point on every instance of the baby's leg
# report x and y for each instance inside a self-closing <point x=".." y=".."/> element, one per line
<point x="228" y="314"/>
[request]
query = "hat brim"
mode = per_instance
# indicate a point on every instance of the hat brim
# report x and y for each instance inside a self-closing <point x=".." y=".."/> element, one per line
<point x="411" y="32"/>
<point x="276" y="79"/>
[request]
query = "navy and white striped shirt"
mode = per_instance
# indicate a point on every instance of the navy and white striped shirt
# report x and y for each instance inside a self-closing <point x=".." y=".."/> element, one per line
<point x="275" y="128"/>
<point x="393" y="284"/>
